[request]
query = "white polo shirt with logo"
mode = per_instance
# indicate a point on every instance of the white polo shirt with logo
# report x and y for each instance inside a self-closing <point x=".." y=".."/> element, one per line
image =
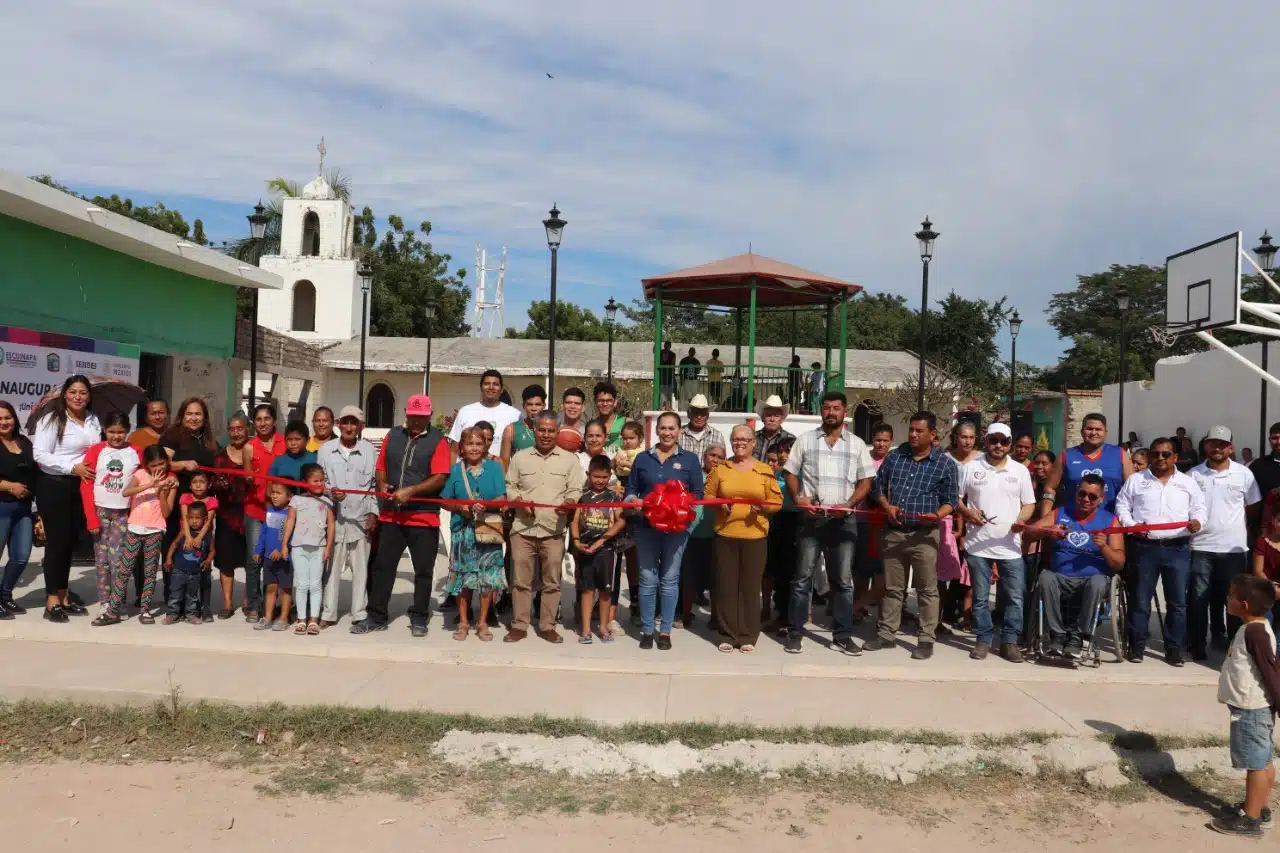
<point x="998" y="493"/>
<point x="1226" y="494"/>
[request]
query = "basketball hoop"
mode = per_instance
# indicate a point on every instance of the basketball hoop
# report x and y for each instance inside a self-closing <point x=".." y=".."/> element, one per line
<point x="1164" y="335"/>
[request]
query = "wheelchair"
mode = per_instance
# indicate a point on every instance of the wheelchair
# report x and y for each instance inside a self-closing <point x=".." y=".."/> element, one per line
<point x="1113" y="612"/>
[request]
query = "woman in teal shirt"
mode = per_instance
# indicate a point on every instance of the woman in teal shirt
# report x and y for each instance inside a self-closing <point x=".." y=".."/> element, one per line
<point x="474" y="566"/>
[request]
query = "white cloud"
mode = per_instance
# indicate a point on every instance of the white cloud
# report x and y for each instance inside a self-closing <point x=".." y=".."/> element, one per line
<point x="1045" y="140"/>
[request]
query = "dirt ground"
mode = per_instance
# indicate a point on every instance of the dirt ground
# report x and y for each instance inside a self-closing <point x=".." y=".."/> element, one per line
<point x="200" y="807"/>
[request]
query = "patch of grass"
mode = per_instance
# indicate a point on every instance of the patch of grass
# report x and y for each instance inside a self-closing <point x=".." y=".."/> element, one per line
<point x="328" y="778"/>
<point x="403" y="785"/>
<point x="1012" y="739"/>
<point x="1147" y="742"/>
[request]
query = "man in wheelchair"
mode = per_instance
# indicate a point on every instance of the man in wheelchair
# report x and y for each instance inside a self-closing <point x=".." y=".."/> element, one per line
<point x="1083" y="558"/>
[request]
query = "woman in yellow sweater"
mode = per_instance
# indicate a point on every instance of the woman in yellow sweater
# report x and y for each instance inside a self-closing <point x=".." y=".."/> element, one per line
<point x="741" y="546"/>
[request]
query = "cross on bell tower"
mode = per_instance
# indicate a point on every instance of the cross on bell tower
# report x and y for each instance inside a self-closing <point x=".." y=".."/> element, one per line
<point x="322" y="151"/>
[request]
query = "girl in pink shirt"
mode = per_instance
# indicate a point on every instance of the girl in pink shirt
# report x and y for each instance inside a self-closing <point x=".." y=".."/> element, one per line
<point x="151" y="494"/>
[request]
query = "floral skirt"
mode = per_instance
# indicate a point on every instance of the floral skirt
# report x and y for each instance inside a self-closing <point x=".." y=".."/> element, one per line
<point x="474" y="566"/>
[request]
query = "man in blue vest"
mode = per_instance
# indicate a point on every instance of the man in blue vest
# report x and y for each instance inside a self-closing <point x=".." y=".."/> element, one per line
<point x="1091" y="456"/>
<point x="413" y="463"/>
<point x="1084" y="558"/>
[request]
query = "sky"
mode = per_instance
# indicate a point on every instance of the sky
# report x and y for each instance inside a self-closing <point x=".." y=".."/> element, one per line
<point x="1044" y="140"/>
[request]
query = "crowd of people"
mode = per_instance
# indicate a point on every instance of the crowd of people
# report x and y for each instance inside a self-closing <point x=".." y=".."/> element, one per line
<point x="789" y="523"/>
<point x="170" y="507"/>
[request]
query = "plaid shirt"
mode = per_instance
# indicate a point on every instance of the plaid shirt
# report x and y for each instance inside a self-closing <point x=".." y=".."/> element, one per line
<point x="918" y="486"/>
<point x="764" y="445"/>
<point x="830" y="474"/>
<point x="699" y="444"/>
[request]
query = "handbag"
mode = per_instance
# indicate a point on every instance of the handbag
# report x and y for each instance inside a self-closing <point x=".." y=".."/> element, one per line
<point x="489" y="525"/>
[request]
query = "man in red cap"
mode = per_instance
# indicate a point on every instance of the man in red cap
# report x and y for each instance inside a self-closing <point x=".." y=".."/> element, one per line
<point x="413" y="463"/>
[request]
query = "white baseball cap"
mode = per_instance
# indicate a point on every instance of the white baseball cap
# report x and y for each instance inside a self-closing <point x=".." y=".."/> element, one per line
<point x="1000" y="429"/>
<point x="1218" y="433"/>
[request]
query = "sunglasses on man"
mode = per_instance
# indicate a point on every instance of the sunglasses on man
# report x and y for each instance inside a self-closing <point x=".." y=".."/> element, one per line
<point x="1162" y="454"/>
<point x="1088" y="496"/>
<point x="999" y="439"/>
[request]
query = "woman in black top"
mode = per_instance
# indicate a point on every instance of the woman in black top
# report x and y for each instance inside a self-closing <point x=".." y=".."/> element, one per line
<point x="190" y="445"/>
<point x="17" y="485"/>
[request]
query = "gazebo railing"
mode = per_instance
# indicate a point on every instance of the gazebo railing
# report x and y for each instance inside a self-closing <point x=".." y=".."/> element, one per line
<point x="728" y="389"/>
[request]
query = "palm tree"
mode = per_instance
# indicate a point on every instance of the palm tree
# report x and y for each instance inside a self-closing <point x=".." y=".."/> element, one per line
<point x="279" y="189"/>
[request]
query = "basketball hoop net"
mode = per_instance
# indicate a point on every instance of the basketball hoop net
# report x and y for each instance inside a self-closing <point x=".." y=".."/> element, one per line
<point x="1164" y="335"/>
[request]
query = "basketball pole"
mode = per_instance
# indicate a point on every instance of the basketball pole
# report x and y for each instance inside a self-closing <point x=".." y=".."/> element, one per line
<point x="1219" y="345"/>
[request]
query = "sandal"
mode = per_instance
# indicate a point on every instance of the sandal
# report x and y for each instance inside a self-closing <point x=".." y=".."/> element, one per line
<point x="105" y="619"/>
<point x="747" y="649"/>
<point x="725" y="647"/>
<point x="584" y="639"/>
<point x="147" y="619"/>
<point x="484" y="633"/>
<point x="313" y="629"/>
<point x="461" y="633"/>
<point x="226" y="613"/>
<point x="300" y="627"/>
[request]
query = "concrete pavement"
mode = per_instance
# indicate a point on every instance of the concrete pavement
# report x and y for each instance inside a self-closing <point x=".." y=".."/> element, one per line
<point x="612" y="683"/>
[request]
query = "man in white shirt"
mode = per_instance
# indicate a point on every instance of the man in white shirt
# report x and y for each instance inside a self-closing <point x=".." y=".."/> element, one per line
<point x="490" y="409"/>
<point x="1220" y="551"/>
<point x="996" y="493"/>
<point x="1159" y="495"/>
<point x="348" y="462"/>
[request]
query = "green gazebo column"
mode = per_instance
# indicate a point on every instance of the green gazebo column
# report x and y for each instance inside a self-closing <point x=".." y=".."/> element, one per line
<point x="751" y="352"/>
<point x="844" y="340"/>
<point x="827" y="366"/>
<point x="657" y="351"/>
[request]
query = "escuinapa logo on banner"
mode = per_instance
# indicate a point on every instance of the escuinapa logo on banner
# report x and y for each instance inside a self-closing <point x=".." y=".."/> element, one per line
<point x="17" y="359"/>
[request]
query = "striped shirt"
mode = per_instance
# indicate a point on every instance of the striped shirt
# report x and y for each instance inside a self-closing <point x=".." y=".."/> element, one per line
<point x="698" y="444"/>
<point x="917" y="486"/>
<point x="830" y="473"/>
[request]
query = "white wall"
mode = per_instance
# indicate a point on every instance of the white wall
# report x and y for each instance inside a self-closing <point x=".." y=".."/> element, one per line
<point x="1197" y="392"/>
<point x="338" y="297"/>
<point x="203" y="378"/>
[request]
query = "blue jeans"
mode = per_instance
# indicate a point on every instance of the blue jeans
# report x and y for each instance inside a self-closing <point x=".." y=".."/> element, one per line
<point x="659" y="555"/>
<point x="252" y="567"/>
<point x="16" y="527"/>
<point x="834" y="539"/>
<point x="1154" y="560"/>
<point x="1013" y="584"/>
<point x="1211" y="576"/>
<point x="184" y="593"/>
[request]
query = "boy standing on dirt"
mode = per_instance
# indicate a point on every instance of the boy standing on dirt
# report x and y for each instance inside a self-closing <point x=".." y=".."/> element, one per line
<point x="1249" y="685"/>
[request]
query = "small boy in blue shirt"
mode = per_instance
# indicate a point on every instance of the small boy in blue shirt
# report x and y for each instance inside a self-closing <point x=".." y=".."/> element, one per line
<point x="277" y="571"/>
<point x="188" y="556"/>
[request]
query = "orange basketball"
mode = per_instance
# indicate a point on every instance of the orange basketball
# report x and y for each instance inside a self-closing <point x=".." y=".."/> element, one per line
<point x="569" y="439"/>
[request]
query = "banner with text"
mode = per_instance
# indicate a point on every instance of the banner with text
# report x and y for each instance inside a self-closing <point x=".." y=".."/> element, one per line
<point x="32" y="363"/>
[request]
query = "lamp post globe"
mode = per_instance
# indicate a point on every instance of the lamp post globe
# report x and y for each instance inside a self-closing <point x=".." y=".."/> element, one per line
<point x="1122" y="303"/>
<point x="1015" y="326"/>
<point x="926" y="237"/>
<point x="554" y="226"/>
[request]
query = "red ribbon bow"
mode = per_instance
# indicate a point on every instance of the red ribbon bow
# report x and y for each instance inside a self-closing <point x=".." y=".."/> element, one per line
<point x="669" y="508"/>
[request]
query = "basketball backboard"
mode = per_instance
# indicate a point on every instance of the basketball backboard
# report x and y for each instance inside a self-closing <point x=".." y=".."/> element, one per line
<point x="1203" y="286"/>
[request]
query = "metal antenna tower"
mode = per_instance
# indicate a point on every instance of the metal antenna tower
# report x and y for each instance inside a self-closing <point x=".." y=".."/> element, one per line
<point x="487" y="320"/>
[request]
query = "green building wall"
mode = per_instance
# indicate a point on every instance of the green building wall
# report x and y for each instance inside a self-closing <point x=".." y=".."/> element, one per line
<point x="52" y="282"/>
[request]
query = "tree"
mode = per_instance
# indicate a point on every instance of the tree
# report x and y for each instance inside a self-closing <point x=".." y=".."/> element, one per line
<point x="157" y="215"/>
<point x="406" y="273"/>
<point x="962" y="340"/>
<point x="573" y="323"/>
<point x="943" y="391"/>
<point x="1090" y="316"/>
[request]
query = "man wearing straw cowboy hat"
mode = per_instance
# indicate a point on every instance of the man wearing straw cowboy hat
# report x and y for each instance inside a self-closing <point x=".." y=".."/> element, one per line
<point x="698" y="435"/>
<point x="772" y="413"/>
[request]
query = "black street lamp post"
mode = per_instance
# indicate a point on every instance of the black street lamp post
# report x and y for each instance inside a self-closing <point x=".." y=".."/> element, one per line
<point x="610" y="313"/>
<point x="555" y="230"/>
<point x="1015" y="326"/>
<point x="926" y="235"/>
<point x="1266" y="254"/>
<point x="257" y="230"/>
<point x="428" y="312"/>
<point x="1122" y="302"/>
<point x="365" y="272"/>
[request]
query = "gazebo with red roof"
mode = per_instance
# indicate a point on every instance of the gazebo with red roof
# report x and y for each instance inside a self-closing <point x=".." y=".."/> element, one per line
<point x="750" y="283"/>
